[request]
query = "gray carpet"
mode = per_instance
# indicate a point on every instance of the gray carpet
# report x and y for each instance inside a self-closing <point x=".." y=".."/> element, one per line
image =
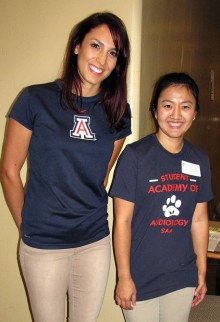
<point x="207" y="311"/>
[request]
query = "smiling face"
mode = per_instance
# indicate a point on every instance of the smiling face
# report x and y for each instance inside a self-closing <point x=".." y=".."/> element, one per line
<point x="176" y="110"/>
<point x="97" y="58"/>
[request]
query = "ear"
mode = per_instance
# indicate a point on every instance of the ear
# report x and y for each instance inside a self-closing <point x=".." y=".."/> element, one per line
<point x="155" y="114"/>
<point x="76" y="50"/>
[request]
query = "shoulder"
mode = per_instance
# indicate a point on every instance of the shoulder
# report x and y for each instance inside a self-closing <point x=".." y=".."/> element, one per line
<point x="37" y="90"/>
<point x="30" y="101"/>
<point x="136" y="150"/>
<point x="143" y="145"/>
<point x="54" y="86"/>
<point x="196" y="151"/>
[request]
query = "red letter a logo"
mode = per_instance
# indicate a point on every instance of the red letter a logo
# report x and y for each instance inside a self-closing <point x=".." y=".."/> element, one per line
<point x="81" y="129"/>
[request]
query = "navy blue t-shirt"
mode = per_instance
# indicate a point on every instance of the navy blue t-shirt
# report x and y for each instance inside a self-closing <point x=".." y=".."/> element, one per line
<point x="65" y="198"/>
<point x="165" y="188"/>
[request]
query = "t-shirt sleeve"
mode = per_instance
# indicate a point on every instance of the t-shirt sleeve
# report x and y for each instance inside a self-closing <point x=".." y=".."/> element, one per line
<point x="125" y="176"/>
<point x="206" y="193"/>
<point x="21" y="110"/>
<point x="127" y="124"/>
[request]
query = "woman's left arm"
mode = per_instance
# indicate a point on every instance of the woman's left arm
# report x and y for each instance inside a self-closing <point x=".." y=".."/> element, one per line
<point x="117" y="149"/>
<point x="200" y="233"/>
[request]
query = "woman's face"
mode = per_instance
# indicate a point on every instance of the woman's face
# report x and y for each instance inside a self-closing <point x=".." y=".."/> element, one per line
<point x="97" y="58"/>
<point x="176" y="110"/>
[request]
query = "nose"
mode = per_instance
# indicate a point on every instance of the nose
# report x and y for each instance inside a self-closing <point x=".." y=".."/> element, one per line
<point x="175" y="114"/>
<point x="101" y="58"/>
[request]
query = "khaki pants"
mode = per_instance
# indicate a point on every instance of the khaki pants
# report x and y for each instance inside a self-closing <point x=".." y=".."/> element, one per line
<point x="172" y="307"/>
<point x="50" y="274"/>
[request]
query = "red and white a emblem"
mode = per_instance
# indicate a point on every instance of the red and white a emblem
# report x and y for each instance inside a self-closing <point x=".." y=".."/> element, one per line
<point x="81" y="128"/>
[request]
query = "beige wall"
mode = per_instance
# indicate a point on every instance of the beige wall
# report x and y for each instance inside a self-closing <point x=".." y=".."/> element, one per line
<point x="33" y="36"/>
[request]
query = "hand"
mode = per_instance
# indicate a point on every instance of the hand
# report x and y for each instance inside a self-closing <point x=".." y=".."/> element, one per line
<point x="125" y="294"/>
<point x="200" y="293"/>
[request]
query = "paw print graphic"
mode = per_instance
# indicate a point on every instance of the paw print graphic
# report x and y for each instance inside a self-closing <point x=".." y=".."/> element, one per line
<point x="171" y="208"/>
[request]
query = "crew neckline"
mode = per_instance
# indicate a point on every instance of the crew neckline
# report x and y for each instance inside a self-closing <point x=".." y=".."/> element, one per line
<point x="168" y="152"/>
<point x="84" y="98"/>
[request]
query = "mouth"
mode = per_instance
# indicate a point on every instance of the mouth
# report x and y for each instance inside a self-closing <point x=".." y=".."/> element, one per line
<point x="95" y="69"/>
<point x="175" y="124"/>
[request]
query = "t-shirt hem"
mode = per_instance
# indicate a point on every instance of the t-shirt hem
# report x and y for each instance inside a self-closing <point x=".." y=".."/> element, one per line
<point x="64" y="246"/>
<point x="145" y="297"/>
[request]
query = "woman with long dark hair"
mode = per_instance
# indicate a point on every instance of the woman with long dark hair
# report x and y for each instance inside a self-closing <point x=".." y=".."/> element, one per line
<point x="72" y="131"/>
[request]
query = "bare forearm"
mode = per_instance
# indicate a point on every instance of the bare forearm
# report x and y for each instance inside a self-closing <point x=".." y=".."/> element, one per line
<point x="14" y="196"/>
<point x="200" y="243"/>
<point x="14" y="154"/>
<point x="122" y="244"/>
<point x="125" y="290"/>
<point x="200" y="233"/>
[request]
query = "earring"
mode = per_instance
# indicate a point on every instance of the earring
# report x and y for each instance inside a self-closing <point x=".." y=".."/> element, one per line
<point x="76" y="50"/>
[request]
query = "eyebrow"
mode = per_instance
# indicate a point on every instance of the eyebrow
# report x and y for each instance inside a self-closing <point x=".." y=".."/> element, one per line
<point x="166" y="100"/>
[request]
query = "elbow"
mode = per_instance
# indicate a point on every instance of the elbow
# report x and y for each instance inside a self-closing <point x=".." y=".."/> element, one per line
<point x="4" y="176"/>
<point x="122" y="222"/>
<point x="7" y="175"/>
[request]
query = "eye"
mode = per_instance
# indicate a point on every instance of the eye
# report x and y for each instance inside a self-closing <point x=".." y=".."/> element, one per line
<point x="113" y="53"/>
<point x="167" y="106"/>
<point x="186" y="107"/>
<point x="95" y="45"/>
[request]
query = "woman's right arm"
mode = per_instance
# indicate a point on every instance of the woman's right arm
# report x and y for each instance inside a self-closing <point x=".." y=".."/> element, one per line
<point x="125" y="290"/>
<point x="14" y="154"/>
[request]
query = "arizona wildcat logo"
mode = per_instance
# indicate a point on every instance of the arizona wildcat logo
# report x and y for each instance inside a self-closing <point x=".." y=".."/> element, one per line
<point x="81" y="128"/>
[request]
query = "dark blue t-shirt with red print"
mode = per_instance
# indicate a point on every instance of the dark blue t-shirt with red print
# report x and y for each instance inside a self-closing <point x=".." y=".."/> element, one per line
<point x="165" y="188"/>
<point x="65" y="198"/>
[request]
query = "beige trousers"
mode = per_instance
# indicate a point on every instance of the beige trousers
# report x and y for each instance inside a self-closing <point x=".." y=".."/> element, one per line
<point x="50" y="274"/>
<point x="172" y="307"/>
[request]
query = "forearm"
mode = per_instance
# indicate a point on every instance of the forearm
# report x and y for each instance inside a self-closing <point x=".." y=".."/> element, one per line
<point x="200" y="234"/>
<point x="14" y="196"/>
<point x="122" y="244"/>
<point x="125" y="290"/>
<point x="14" y="154"/>
<point x="200" y="243"/>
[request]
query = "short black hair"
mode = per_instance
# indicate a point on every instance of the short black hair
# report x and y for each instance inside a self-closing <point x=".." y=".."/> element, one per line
<point x="174" y="79"/>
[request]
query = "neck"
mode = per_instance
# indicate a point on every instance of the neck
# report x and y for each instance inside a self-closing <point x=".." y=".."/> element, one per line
<point x="91" y="90"/>
<point x="88" y="91"/>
